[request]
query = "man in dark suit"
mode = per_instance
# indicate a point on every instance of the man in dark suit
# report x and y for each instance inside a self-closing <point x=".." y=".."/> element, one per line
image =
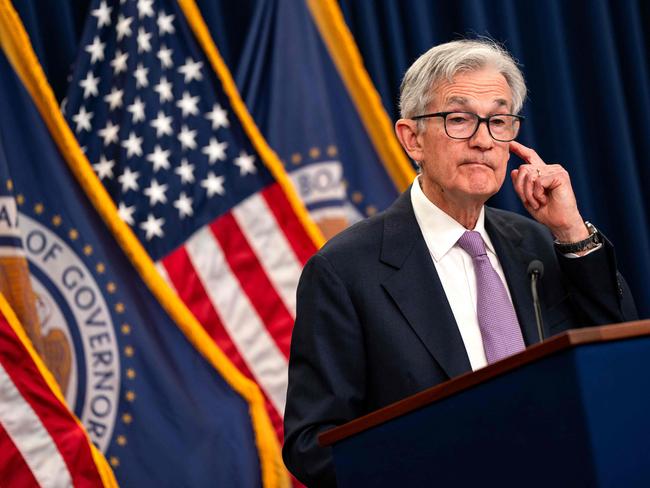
<point x="437" y="285"/>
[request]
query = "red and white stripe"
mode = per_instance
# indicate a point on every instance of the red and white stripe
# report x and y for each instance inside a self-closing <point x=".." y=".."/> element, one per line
<point x="28" y="441"/>
<point x="41" y="442"/>
<point x="239" y="275"/>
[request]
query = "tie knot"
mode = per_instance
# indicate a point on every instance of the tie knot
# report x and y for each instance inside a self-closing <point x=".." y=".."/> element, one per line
<point x="472" y="242"/>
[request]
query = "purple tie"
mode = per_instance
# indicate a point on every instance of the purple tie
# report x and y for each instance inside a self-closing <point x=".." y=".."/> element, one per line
<point x="496" y="315"/>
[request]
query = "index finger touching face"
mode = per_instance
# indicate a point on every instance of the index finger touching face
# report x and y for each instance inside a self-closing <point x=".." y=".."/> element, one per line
<point x="525" y="153"/>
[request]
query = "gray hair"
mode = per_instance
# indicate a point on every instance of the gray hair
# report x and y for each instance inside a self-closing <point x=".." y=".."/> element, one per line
<point x="445" y="61"/>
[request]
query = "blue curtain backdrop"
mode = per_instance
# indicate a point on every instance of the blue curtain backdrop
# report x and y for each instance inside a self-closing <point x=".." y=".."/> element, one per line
<point x="586" y="64"/>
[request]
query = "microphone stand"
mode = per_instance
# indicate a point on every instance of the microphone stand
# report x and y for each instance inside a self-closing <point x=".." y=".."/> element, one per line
<point x="536" y="271"/>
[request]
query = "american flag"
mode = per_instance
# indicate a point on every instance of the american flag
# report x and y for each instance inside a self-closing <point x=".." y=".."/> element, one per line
<point x="160" y="132"/>
<point x="42" y="443"/>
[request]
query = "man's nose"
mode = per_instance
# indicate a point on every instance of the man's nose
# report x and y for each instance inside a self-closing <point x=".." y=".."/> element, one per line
<point x="482" y="138"/>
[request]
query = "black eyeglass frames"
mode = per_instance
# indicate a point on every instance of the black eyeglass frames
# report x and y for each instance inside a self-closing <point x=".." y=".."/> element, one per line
<point x="463" y="125"/>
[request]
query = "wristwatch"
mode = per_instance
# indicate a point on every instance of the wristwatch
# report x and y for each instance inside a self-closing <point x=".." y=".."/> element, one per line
<point x="594" y="240"/>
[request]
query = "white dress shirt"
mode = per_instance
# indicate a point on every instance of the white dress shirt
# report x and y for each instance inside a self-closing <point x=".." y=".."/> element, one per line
<point x="455" y="268"/>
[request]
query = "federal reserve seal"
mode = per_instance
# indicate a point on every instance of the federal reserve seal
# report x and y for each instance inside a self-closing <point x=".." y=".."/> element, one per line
<point x="70" y="300"/>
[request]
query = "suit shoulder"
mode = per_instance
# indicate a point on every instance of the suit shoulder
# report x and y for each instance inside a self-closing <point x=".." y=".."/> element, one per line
<point x="361" y="238"/>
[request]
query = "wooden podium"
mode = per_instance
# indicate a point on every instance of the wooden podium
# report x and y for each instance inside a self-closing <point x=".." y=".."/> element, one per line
<point x="573" y="411"/>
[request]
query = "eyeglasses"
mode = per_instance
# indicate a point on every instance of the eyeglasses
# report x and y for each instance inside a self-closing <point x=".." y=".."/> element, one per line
<point x="463" y="125"/>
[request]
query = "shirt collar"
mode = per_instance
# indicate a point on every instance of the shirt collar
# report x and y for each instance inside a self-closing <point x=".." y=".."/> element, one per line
<point x="441" y="232"/>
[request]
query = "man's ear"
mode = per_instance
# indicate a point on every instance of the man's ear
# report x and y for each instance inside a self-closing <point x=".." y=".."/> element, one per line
<point x="406" y="131"/>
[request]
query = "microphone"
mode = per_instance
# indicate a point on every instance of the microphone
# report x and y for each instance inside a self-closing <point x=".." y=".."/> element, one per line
<point x="536" y="272"/>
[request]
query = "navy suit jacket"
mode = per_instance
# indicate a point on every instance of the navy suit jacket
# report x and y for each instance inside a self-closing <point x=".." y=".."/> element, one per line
<point x="374" y="326"/>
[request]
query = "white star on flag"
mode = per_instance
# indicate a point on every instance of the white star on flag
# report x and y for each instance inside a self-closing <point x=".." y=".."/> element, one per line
<point x="109" y="133"/>
<point x="159" y="158"/>
<point x="215" y="150"/>
<point x="129" y="180"/>
<point x="246" y="163"/>
<point x="184" y="206"/>
<point x="218" y="116"/>
<point x="82" y="119"/>
<point x="191" y="70"/>
<point x="185" y="171"/>
<point x="126" y="213"/>
<point x="164" y="90"/>
<point x="89" y="84"/>
<point x="213" y="184"/>
<point x="119" y="62"/>
<point x="162" y="124"/>
<point x="144" y="40"/>
<point x="114" y="98"/>
<point x="187" y="104"/>
<point x="145" y="8"/>
<point x="133" y="146"/>
<point x="103" y="14"/>
<point x="156" y="192"/>
<point x="104" y="168"/>
<point x="187" y="138"/>
<point x="152" y="227"/>
<point x="165" y="25"/>
<point x="96" y="50"/>
<point x="123" y="26"/>
<point x="137" y="110"/>
<point x="140" y="75"/>
<point x="165" y="56"/>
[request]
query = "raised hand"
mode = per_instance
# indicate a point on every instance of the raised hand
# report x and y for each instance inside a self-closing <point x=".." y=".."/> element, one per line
<point x="546" y="192"/>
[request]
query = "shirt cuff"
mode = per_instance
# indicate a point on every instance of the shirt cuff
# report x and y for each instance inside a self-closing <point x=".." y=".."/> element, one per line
<point x="573" y="255"/>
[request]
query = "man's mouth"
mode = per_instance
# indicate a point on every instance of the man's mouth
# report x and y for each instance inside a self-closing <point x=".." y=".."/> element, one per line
<point x="477" y="163"/>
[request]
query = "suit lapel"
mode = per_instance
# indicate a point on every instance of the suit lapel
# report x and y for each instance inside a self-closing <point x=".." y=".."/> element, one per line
<point x="416" y="289"/>
<point x="514" y="256"/>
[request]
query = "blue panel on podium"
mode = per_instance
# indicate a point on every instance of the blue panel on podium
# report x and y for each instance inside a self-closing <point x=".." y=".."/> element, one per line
<point x="580" y="417"/>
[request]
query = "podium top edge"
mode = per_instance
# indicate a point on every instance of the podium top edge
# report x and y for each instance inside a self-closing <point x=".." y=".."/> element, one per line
<point x="552" y="345"/>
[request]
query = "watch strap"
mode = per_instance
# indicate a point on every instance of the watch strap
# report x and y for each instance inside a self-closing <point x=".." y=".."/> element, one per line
<point x="590" y="242"/>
